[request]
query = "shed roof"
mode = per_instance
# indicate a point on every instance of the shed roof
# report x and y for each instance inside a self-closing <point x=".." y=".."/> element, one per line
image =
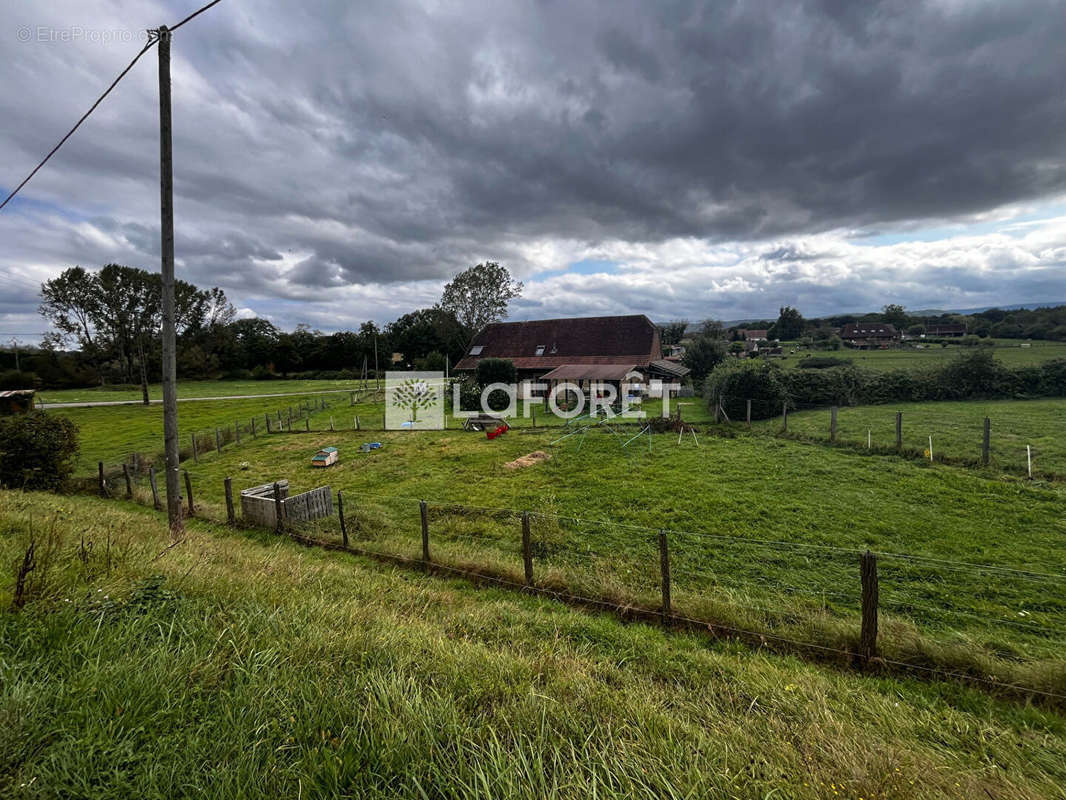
<point x="589" y="372"/>
<point x="18" y="393"/>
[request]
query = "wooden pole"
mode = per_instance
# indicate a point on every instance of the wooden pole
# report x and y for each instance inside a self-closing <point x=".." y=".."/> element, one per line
<point x="425" y="530"/>
<point x="155" y="489"/>
<point x="533" y="409"/>
<point x="664" y="567"/>
<point x="331" y="423"/>
<point x="237" y="431"/>
<point x="192" y="441"/>
<point x="307" y="424"/>
<point x="278" y="509"/>
<point x="527" y="549"/>
<point x="231" y="515"/>
<point x="340" y="513"/>
<point x="253" y="427"/>
<point x="172" y="457"/>
<point x="188" y="493"/>
<point x="899" y="430"/>
<point x="126" y="475"/>
<point x="218" y="441"/>
<point x="267" y="418"/>
<point x="986" y="445"/>
<point x="748" y="412"/>
<point x="357" y="422"/>
<point x="103" y="483"/>
<point x="868" y="635"/>
<point x="833" y="424"/>
<point x="784" y="417"/>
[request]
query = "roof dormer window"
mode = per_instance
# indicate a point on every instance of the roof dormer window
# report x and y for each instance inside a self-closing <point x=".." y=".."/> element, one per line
<point x="476" y="349"/>
<point x="540" y="350"/>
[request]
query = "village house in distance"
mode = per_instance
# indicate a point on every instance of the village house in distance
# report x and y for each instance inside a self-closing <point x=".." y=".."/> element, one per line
<point x="582" y="350"/>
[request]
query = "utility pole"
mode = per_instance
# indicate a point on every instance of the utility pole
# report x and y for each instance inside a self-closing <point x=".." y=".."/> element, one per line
<point x="166" y="210"/>
<point x="15" y="344"/>
<point x="377" y="375"/>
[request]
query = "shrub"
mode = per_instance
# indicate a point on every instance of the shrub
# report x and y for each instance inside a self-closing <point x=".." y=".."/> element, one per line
<point x="821" y="362"/>
<point x="733" y="385"/>
<point x="37" y="450"/>
<point x="496" y="370"/>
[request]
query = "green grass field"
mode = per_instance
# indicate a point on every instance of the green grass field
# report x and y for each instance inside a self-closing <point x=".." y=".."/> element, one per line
<point x="1009" y="351"/>
<point x="957" y="430"/>
<point x="196" y="389"/>
<point x="765" y="533"/>
<point x="238" y="664"/>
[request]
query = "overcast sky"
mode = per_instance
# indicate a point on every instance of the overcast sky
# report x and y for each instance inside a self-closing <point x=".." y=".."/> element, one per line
<point x="339" y="161"/>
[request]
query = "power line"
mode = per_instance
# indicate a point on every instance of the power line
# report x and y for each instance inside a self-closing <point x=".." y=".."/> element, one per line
<point x="99" y="100"/>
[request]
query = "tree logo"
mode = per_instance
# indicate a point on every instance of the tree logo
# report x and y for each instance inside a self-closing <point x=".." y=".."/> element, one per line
<point x="414" y="401"/>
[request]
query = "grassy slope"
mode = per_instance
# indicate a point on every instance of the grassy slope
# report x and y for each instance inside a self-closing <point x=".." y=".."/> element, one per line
<point x="284" y="672"/>
<point x="1006" y="350"/>
<point x="956" y="428"/>
<point x="746" y="489"/>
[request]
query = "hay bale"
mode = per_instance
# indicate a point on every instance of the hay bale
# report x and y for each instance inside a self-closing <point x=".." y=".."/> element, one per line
<point x="528" y="460"/>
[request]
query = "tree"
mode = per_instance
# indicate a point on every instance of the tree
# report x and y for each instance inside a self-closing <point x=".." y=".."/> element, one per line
<point x="673" y="332"/>
<point x="894" y="314"/>
<point x="480" y="295"/>
<point x="703" y="355"/>
<point x="419" y="333"/>
<point x="789" y="325"/>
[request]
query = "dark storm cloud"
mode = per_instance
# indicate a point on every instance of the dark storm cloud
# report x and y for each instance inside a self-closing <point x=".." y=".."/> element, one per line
<point x="318" y="146"/>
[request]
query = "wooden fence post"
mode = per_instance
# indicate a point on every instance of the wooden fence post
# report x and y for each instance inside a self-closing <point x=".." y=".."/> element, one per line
<point x="357" y="422"/>
<point x="331" y="423"/>
<point x="231" y="515"/>
<point x="192" y="441"/>
<point x="899" y="430"/>
<point x="340" y="513"/>
<point x="425" y="530"/>
<point x="527" y="549"/>
<point x="664" y="567"/>
<point x="784" y="417"/>
<point x="868" y="635"/>
<point x="351" y="398"/>
<point x="833" y="424"/>
<point x="103" y="483"/>
<point x="253" y="427"/>
<point x="126" y="475"/>
<point x="278" y="509"/>
<point x="267" y="418"/>
<point x="218" y="441"/>
<point x="237" y="431"/>
<point x="986" y="445"/>
<point x="188" y="492"/>
<point x="155" y="489"/>
<point x="533" y="409"/>
<point x="307" y="424"/>
<point x="749" y="412"/>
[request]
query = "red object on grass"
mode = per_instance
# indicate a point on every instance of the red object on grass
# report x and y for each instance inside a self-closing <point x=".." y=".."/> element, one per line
<point x="499" y="431"/>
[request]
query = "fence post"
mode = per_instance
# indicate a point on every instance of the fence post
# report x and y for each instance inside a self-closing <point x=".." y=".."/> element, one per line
<point x="231" y="516"/>
<point x="155" y="489"/>
<point x="253" y="427"/>
<point x="868" y="635"/>
<point x="986" y="445"/>
<point x="126" y="475"/>
<point x="664" y="567"/>
<point x="357" y="422"/>
<point x="749" y="412"/>
<point x="351" y="398"/>
<point x="278" y="508"/>
<point x="192" y="441"/>
<point x="899" y="430"/>
<point x="218" y="441"/>
<point x="188" y="492"/>
<point x="527" y="549"/>
<point x="340" y="513"/>
<point x="237" y="431"/>
<point x="833" y="424"/>
<point x="331" y="423"/>
<point x="307" y="424"/>
<point x="103" y="483"/>
<point x="425" y="530"/>
<point x="784" y="417"/>
<point x="533" y="409"/>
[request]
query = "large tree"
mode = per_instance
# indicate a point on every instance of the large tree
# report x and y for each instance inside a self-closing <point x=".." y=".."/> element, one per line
<point x="789" y="326"/>
<point x="480" y="295"/>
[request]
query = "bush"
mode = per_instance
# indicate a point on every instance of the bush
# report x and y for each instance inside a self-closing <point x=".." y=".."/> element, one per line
<point x="496" y="370"/>
<point x="821" y="362"/>
<point x="37" y="450"/>
<point x="756" y="380"/>
<point x="14" y="379"/>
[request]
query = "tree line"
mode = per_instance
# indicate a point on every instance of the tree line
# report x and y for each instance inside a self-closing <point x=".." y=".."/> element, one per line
<point x="107" y="326"/>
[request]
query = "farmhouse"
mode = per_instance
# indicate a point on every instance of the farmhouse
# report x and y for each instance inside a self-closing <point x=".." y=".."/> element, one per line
<point x="582" y="350"/>
<point x="865" y="335"/>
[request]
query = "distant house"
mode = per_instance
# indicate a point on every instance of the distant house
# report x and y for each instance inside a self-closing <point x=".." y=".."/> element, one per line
<point x="944" y="330"/>
<point x="866" y="335"/>
<point x="752" y="334"/>
<point x="582" y="350"/>
<point x="16" y="401"/>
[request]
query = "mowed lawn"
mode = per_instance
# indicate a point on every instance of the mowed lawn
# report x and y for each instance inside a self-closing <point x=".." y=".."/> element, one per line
<point x="957" y="430"/>
<point x="239" y="664"/>
<point x="765" y="534"/>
